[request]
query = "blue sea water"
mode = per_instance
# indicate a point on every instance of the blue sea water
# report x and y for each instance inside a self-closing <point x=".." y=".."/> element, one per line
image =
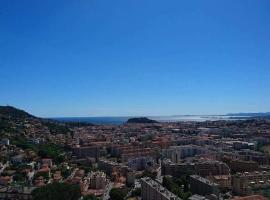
<point x="95" y="120"/>
<point x="121" y="120"/>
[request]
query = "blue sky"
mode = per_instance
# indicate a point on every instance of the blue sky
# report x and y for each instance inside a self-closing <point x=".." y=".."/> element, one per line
<point x="145" y="57"/>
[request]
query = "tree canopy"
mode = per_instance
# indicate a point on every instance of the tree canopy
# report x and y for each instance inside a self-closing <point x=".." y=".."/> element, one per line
<point x="56" y="191"/>
<point x="117" y="194"/>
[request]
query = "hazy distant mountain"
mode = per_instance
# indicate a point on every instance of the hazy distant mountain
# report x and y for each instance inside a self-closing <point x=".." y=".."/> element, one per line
<point x="260" y="114"/>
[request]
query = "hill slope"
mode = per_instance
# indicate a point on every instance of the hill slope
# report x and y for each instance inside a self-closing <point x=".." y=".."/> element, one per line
<point x="14" y="121"/>
<point x="141" y="120"/>
<point x="12" y="112"/>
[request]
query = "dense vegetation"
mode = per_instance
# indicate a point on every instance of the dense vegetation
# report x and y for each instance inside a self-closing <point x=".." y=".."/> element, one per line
<point x="48" y="150"/>
<point x="51" y="151"/>
<point x="12" y="112"/>
<point x="137" y="192"/>
<point x="56" y="191"/>
<point x="90" y="197"/>
<point x="117" y="194"/>
<point x="152" y="175"/>
<point x="14" y="121"/>
<point x="179" y="187"/>
<point x="55" y="127"/>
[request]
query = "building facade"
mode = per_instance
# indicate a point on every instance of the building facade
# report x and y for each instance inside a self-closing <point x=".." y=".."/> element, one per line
<point x="203" y="186"/>
<point x="152" y="190"/>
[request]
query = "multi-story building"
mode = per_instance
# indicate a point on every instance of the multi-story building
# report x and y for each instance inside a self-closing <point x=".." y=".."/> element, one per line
<point x="250" y="155"/>
<point x="126" y="152"/>
<point x="242" y="183"/>
<point x="203" y="186"/>
<point x="87" y="151"/>
<point x="98" y="180"/>
<point x="16" y="192"/>
<point x="177" y="153"/>
<point x="109" y="166"/>
<point x="147" y="152"/>
<point x="211" y="167"/>
<point x="176" y="170"/>
<point x="152" y="190"/>
<point x="224" y="181"/>
<point x="243" y="166"/>
<point x="115" y="170"/>
<point x="202" y="168"/>
<point x="140" y="163"/>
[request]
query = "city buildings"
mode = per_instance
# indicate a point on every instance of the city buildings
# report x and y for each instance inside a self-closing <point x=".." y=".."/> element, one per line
<point x="98" y="180"/>
<point x="203" y="186"/>
<point x="224" y="181"/>
<point x="86" y="151"/>
<point x="117" y="171"/>
<point x="16" y="193"/>
<point x="178" y="153"/>
<point x="245" y="183"/>
<point x="222" y="158"/>
<point x="141" y="163"/>
<point x="152" y="190"/>
<point x="200" y="167"/>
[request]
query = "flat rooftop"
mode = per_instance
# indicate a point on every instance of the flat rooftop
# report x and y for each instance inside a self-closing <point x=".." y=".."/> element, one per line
<point x="204" y="180"/>
<point x="160" y="188"/>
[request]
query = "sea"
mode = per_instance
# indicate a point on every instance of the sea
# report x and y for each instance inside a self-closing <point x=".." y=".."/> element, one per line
<point x="121" y="120"/>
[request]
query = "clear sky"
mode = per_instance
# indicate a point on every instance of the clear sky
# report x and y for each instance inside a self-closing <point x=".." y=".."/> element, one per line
<point x="143" y="57"/>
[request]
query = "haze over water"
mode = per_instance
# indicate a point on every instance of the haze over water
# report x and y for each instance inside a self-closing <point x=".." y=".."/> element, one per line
<point x="121" y="120"/>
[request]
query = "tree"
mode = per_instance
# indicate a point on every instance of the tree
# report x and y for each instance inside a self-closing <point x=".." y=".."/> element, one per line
<point x="56" y="191"/>
<point x="186" y="195"/>
<point x="90" y="197"/>
<point x="19" y="176"/>
<point x="175" y="186"/>
<point x="149" y="174"/>
<point x="65" y="172"/>
<point x="185" y="183"/>
<point x="168" y="183"/>
<point x="136" y="192"/>
<point x="45" y="175"/>
<point x="117" y="194"/>
<point x="51" y="151"/>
